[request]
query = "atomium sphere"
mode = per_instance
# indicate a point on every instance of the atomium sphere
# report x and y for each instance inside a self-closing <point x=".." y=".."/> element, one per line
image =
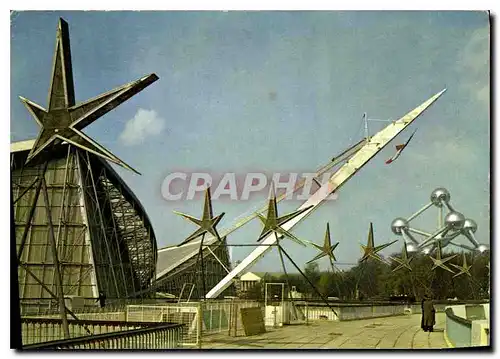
<point x="440" y="195"/>
<point x="410" y="247"/>
<point x="398" y="225"/>
<point x="454" y="220"/>
<point x="469" y="224"/>
<point x="482" y="248"/>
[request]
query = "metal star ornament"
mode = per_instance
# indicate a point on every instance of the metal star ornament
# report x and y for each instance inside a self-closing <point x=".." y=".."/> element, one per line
<point x="404" y="261"/>
<point x="439" y="261"/>
<point x="464" y="268"/>
<point x="370" y="251"/>
<point x="63" y="120"/>
<point x="273" y="223"/>
<point x="207" y="223"/>
<point x="327" y="248"/>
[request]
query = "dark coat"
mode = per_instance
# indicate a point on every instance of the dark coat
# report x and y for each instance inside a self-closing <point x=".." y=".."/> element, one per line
<point x="101" y="299"/>
<point x="428" y="313"/>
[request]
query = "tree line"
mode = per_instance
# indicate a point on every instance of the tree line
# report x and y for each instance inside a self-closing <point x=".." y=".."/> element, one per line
<point x="374" y="280"/>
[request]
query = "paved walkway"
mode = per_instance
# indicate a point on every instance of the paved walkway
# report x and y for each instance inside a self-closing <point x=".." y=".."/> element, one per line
<point x="401" y="332"/>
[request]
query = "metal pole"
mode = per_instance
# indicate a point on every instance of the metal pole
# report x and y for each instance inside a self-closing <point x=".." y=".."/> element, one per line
<point x="200" y="323"/>
<point x="16" y="337"/>
<point x="307" y="314"/>
<point x="366" y="126"/>
<point x="26" y="268"/>
<point x="28" y="221"/>
<point x="450" y="208"/>
<point x="62" y="306"/>
<point x="419" y="212"/>
<point x="286" y="278"/>
<point x="62" y="214"/>
<point x="82" y="204"/>
<point x="202" y="266"/>
<point x="418" y="231"/>
<point x="104" y="235"/>
<point x="312" y="285"/>
<point x="230" y="317"/>
<point x="439" y="231"/>
<point x="335" y="277"/>
<point x="108" y="197"/>
<point x="195" y="276"/>
<point x="218" y="260"/>
<point x="440" y="217"/>
<point x="32" y="210"/>
<point x="26" y="190"/>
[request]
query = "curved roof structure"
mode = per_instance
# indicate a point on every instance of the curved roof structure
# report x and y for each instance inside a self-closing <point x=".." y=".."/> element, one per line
<point x="104" y="237"/>
<point x="80" y="230"/>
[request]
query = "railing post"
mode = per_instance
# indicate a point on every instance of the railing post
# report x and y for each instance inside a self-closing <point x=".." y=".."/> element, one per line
<point x="230" y="318"/>
<point x="199" y="324"/>
<point x="211" y="318"/>
<point x="307" y="313"/>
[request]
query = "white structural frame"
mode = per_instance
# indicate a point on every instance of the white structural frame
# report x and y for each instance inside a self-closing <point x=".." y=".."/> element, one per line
<point x="345" y="172"/>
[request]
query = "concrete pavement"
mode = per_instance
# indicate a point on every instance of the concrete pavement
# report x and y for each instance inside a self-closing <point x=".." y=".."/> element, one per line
<point x="401" y="332"/>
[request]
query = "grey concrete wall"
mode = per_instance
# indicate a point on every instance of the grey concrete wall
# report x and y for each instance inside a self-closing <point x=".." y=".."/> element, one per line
<point x="462" y="335"/>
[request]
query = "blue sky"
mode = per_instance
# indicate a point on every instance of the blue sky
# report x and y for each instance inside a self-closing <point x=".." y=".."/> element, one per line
<point x="278" y="92"/>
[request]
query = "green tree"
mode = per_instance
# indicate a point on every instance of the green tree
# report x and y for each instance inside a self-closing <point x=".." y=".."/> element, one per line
<point x="312" y="272"/>
<point x="324" y="284"/>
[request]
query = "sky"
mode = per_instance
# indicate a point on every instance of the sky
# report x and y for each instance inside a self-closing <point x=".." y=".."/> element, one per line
<point x="279" y="92"/>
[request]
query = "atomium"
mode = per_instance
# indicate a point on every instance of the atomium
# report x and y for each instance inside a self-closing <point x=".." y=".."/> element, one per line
<point x="399" y="225"/>
<point x="450" y="227"/>
<point x="469" y="224"/>
<point x="440" y="196"/>
<point x="454" y="220"/>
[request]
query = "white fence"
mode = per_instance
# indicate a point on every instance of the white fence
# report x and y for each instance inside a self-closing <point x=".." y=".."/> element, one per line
<point x="351" y="312"/>
<point x="200" y="318"/>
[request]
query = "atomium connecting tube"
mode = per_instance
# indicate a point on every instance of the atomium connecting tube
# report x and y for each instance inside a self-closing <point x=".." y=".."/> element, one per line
<point x="419" y="212"/>
<point x="470" y="227"/>
<point x="418" y="231"/>
<point x="407" y="235"/>
<point x="438" y="232"/>
<point x="450" y="208"/>
<point x="446" y="240"/>
<point x="464" y="247"/>
<point x="470" y="236"/>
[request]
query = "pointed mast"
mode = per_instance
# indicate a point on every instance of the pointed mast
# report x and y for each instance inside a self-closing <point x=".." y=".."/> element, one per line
<point x="375" y="144"/>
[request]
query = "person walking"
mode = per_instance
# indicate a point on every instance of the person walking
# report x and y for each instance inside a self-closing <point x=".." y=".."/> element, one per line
<point x="428" y="314"/>
<point x="101" y="299"/>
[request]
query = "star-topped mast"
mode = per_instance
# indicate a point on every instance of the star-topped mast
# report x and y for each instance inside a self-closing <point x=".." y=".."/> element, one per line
<point x="207" y="223"/>
<point x="327" y="248"/>
<point x="370" y="251"/>
<point x="273" y="223"/>
<point x="464" y="268"/>
<point x="439" y="261"/>
<point x="404" y="261"/>
<point x="63" y="120"/>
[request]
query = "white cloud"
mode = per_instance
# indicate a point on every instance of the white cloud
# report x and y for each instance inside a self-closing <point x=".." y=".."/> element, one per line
<point x="450" y="152"/>
<point x="145" y="123"/>
<point x="474" y="63"/>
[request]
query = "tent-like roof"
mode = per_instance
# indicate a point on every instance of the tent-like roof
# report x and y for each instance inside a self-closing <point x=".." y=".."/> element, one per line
<point x="22" y="145"/>
<point x="171" y="257"/>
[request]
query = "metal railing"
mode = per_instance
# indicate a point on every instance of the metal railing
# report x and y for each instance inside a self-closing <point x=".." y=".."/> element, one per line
<point x="159" y="336"/>
<point x="200" y="318"/>
<point x="87" y="306"/>
<point x="38" y="330"/>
